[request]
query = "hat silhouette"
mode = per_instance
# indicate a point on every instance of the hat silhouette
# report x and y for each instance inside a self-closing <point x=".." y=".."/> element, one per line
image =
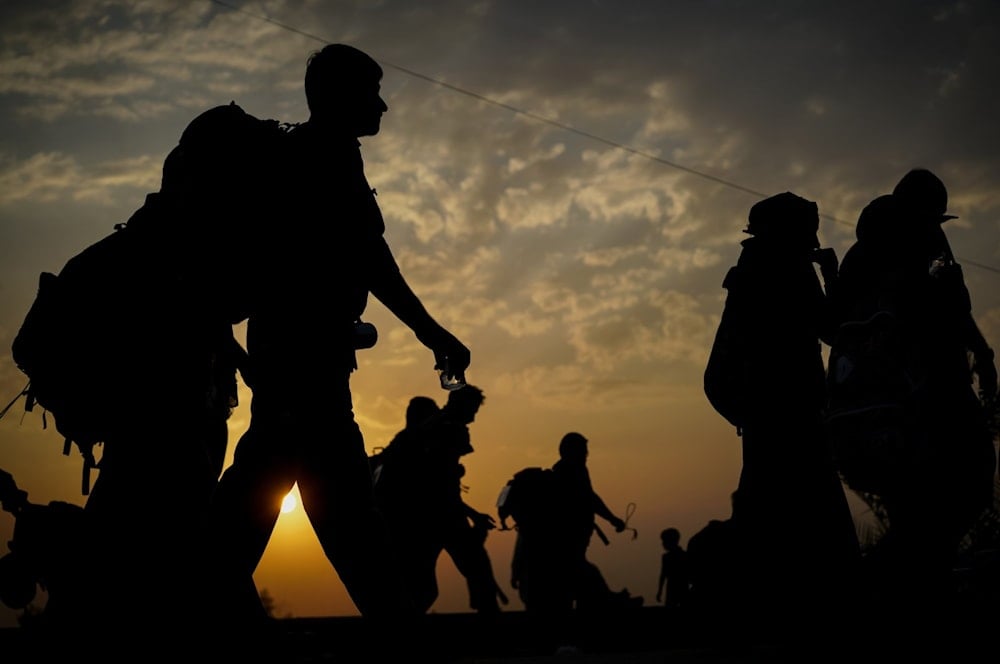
<point x="923" y="193"/>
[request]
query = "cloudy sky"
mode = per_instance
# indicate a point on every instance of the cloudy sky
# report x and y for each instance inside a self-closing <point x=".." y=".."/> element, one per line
<point x="564" y="183"/>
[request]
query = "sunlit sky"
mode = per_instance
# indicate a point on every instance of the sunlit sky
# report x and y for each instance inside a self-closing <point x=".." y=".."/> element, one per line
<point x="564" y="184"/>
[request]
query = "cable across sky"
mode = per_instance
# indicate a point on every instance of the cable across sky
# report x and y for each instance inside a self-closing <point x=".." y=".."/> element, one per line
<point x="549" y="121"/>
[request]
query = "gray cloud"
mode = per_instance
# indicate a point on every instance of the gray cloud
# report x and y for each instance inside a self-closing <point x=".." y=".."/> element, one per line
<point x="46" y="177"/>
<point x="764" y="99"/>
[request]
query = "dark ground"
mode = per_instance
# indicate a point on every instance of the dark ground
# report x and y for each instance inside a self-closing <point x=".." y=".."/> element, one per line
<point x="652" y="635"/>
<point x="964" y="625"/>
<point x="647" y="635"/>
<point x="641" y="635"/>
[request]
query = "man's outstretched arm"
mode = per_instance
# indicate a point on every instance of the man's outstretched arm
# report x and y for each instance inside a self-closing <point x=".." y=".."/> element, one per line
<point x="602" y="510"/>
<point x="391" y="289"/>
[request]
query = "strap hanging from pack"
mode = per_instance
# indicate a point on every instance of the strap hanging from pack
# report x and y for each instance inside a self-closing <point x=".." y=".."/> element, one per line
<point x="26" y="392"/>
<point x="88" y="465"/>
<point x="89" y="462"/>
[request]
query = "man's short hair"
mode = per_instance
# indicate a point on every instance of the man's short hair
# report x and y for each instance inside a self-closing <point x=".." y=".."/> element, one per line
<point x="572" y="444"/>
<point x="465" y="400"/>
<point x="334" y="69"/>
<point x="670" y="535"/>
<point x="419" y="410"/>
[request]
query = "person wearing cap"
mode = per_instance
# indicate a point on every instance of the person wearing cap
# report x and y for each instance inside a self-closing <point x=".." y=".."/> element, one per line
<point x="923" y="200"/>
<point x="797" y="542"/>
<point x="943" y="481"/>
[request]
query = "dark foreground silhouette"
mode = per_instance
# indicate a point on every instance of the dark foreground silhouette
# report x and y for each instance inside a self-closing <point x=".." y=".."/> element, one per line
<point x="647" y="634"/>
<point x="791" y="523"/>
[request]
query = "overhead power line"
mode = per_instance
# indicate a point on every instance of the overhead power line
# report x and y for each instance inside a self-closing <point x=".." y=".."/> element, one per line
<point x="549" y="121"/>
<point x="509" y="107"/>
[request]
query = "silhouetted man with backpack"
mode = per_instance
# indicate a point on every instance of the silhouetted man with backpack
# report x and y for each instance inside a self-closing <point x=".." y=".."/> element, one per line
<point x="549" y="568"/>
<point x="796" y="533"/>
<point x="328" y="254"/>
<point x="131" y="347"/>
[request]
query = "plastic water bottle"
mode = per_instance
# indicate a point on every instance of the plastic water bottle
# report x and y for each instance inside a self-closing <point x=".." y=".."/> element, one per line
<point x="937" y="265"/>
<point x="448" y="381"/>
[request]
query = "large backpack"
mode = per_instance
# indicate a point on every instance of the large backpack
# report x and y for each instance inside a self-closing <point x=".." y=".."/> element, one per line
<point x="396" y="470"/>
<point x="529" y="498"/>
<point x="88" y="344"/>
<point x="67" y="343"/>
<point x="726" y="372"/>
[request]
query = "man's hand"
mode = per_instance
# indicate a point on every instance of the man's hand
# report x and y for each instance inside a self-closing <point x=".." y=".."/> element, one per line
<point x="618" y="524"/>
<point x="450" y="355"/>
<point x="484" y="521"/>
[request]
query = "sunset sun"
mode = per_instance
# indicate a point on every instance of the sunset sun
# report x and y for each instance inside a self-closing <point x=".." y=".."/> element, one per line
<point x="288" y="503"/>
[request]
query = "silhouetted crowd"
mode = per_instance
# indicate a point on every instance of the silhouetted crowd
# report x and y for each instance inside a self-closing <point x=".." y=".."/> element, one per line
<point x="898" y="409"/>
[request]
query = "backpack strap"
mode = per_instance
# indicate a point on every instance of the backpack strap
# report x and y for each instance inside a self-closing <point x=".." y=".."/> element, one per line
<point x="29" y="401"/>
<point x="88" y="465"/>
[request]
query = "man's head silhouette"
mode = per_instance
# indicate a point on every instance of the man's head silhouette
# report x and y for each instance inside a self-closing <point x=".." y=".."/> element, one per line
<point x="342" y="90"/>
<point x="419" y="410"/>
<point x="881" y="222"/>
<point x="670" y="538"/>
<point x="923" y="196"/>
<point x="464" y="403"/>
<point x="573" y="448"/>
<point x="785" y="218"/>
